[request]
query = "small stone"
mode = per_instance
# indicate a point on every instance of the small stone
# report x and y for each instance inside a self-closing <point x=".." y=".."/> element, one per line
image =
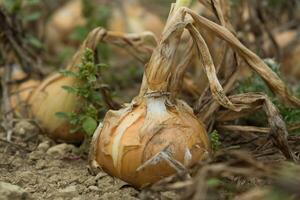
<point x="170" y="195"/>
<point x="90" y="181"/>
<point x="9" y="191"/>
<point x="24" y="128"/>
<point x="41" y="164"/>
<point x="93" y="188"/>
<point x="100" y="175"/>
<point x="68" y="192"/>
<point x="110" y="196"/>
<point x="78" y="198"/>
<point x="35" y="155"/>
<point x="60" y="149"/>
<point x="44" y="146"/>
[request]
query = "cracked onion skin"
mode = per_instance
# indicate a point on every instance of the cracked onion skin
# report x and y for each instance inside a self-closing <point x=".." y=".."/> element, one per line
<point x="131" y="136"/>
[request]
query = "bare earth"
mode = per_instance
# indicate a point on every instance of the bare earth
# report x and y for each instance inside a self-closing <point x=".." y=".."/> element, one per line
<point x="47" y="170"/>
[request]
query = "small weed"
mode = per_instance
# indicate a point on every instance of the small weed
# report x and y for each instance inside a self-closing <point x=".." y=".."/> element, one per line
<point x="215" y="141"/>
<point x="256" y="84"/>
<point x="90" y="105"/>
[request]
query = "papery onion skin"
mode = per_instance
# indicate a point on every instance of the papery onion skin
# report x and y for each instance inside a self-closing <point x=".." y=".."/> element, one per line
<point x="179" y="130"/>
<point x="50" y="98"/>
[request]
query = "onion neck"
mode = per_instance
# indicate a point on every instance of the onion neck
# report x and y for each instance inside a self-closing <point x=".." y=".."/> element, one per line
<point x="159" y="69"/>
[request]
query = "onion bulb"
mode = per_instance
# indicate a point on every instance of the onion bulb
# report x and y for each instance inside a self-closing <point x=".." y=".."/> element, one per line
<point x="156" y="134"/>
<point x="50" y="97"/>
<point x="62" y="24"/>
<point x="133" y="18"/>
<point x="135" y="134"/>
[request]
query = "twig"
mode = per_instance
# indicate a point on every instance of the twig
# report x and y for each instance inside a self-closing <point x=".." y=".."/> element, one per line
<point x="7" y="116"/>
<point x="13" y="34"/>
<point x="17" y="146"/>
<point x="251" y="129"/>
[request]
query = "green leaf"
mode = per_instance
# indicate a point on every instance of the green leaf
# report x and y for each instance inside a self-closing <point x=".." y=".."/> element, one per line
<point x="213" y="182"/>
<point x="32" y="17"/>
<point x="35" y="42"/>
<point x="62" y="115"/>
<point x="68" y="73"/>
<point x="69" y="89"/>
<point x="79" y="33"/>
<point x="33" y="2"/>
<point x="95" y="96"/>
<point x="89" y="125"/>
<point x="91" y="78"/>
<point x="75" y="129"/>
<point x="13" y="6"/>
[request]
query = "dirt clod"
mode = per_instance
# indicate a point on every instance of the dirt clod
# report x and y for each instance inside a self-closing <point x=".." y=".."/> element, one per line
<point x="60" y="149"/>
<point x="9" y="191"/>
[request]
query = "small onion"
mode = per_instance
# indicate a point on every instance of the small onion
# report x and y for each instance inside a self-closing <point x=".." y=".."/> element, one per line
<point x="62" y="23"/>
<point x="135" y="19"/>
<point x="50" y="98"/>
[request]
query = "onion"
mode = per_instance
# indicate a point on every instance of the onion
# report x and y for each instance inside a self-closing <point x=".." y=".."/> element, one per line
<point x="131" y="136"/>
<point x="50" y="98"/>
<point x="156" y="134"/>
<point x="134" y="19"/>
<point x="62" y="23"/>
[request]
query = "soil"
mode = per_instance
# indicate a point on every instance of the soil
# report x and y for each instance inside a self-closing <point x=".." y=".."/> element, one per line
<point x="47" y="170"/>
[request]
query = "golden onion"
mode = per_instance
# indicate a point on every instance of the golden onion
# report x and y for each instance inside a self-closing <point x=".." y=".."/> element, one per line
<point x="133" y="135"/>
<point x="50" y="98"/>
<point x="134" y="19"/>
<point x="62" y="23"/>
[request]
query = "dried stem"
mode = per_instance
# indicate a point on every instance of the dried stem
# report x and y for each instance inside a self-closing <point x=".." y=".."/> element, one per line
<point x="278" y="131"/>
<point x="271" y="78"/>
<point x="7" y="122"/>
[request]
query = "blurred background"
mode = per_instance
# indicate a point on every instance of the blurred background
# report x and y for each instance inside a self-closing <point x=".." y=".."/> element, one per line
<point x="39" y="37"/>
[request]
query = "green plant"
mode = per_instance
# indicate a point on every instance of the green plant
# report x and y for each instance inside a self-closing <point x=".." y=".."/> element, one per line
<point x="256" y="84"/>
<point x="87" y="117"/>
<point x="215" y="141"/>
<point x="26" y="11"/>
<point x="95" y="16"/>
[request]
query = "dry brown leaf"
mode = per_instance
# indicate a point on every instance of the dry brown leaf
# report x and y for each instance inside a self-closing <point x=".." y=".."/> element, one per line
<point x="271" y="78"/>
<point x="253" y="101"/>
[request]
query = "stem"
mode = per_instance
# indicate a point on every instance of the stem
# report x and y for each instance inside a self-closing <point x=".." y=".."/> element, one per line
<point x="161" y="63"/>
